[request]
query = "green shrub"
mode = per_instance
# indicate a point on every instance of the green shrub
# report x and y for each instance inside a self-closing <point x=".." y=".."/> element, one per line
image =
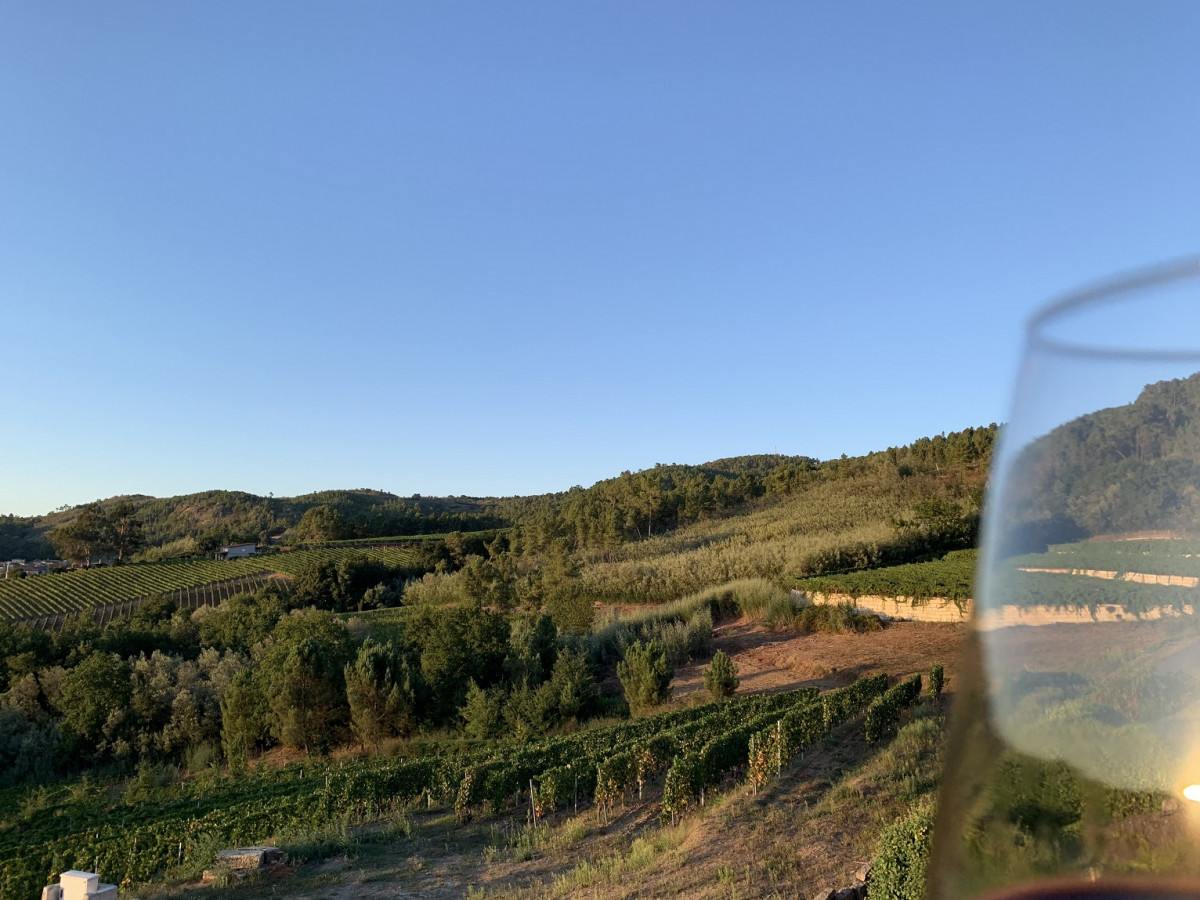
<point x="826" y="618"/>
<point x="883" y="715"/>
<point x="937" y="679"/>
<point x="645" y="675"/>
<point x="902" y="855"/>
<point x="721" y="678"/>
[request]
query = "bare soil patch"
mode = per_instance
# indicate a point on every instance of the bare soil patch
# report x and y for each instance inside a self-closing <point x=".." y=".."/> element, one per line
<point x="782" y="660"/>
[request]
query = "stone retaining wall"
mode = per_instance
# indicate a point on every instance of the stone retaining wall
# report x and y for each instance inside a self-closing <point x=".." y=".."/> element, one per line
<point x="940" y="610"/>
<point x="934" y="610"/>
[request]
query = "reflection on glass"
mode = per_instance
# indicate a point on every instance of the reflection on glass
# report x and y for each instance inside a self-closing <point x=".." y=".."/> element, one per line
<point x="1075" y="757"/>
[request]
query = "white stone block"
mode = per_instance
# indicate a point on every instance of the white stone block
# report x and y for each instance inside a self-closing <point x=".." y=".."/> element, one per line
<point x="102" y="892"/>
<point x="77" y="885"/>
<point x="52" y="892"/>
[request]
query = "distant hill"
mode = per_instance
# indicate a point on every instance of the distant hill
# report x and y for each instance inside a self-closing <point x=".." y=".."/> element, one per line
<point x="1127" y="469"/>
<point x="628" y="507"/>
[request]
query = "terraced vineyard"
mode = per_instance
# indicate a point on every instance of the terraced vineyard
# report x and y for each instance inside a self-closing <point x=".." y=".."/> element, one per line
<point x="1169" y="557"/>
<point x="952" y="577"/>
<point x="45" y="601"/>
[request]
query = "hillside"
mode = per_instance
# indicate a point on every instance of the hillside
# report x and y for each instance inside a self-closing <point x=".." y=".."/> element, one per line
<point x="1115" y="471"/>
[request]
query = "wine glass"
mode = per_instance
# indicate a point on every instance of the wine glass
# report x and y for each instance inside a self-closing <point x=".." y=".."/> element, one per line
<point x="1073" y="765"/>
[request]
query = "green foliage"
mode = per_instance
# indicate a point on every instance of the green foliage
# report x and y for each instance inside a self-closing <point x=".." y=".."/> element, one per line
<point x="244" y="721"/>
<point x="937" y="679"/>
<point x="481" y="712"/>
<point x="839" y="705"/>
<point x="902" y="855"/>
<point x="456" y="645"/>
<point x="382" y="689"/>
<point x="241" y="621"/>
<point x="93" y="698"/>
<point x="683" y="628"/>
<point x="841" y="618"/>
<point x="26" y="748"/>
<point x="533" y="646"/>
<point x="320" y="523"/>
<point x="571" y="609"/>
<point x="303" y="672"/>
<point x="720" y="677"/>
<point x="952" y="578"/>
<point x="614" y="777"/>
<point x="529" y="711"/>
<point x="645" y="676"/>
<point x="342" y="584"/>
<point x="883" y="715"/>
<point x="85" y="538"/>
<point x="572" y="686"/>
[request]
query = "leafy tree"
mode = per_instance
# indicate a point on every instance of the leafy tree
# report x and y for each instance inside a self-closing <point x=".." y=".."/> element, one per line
<point x="244" y="720"/>
<point x="340" y="585"/>
<point x="303" y="667"/>
<point x="529" y="711"/>
<point x="381" y="689"/>
<point x="319" y="524"/>
<point x="26" y="748"/>
<point x="456" y="645"/>
<point x="481" y="711"/>
<point x="490" y="581"/>
<point x="125" y="531"/>
<point x="21" y="649"/>
<point x="645" y="675"/>
<point x="84" y="538"/>
<point x="241" y="621"/>
<point x="533" y="645"/>
<point x="572" y="685"/>
<point x="570" y="608"/>
<point x="94" y="697"/>
<point x="721" y="677"/>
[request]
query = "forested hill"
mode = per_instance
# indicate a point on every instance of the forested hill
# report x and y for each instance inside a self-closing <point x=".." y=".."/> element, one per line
<point x="1115" y="471"/>
<point x="197" y="523"/>
<point x="627" y="508"/>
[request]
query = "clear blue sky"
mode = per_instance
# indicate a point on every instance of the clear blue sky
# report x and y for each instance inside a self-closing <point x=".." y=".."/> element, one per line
<point x="497" y="248"/>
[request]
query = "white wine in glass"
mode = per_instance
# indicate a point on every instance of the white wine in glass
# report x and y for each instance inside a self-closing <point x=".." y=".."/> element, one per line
<point x="1073" y="766"/>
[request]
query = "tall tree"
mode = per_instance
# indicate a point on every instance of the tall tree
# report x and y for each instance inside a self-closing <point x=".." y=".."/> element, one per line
<point x="321" y="523"/>
<point x="381" y="689"/>
<point x="303" y="667"/>
<point x="125" y="530"/>
<point x="84" y="538"/>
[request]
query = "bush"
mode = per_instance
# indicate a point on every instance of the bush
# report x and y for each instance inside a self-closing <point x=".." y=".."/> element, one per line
<point x="902" y="855"/>
<point x="883" y="715"/>
<point x="839" y="619"/>
<point x="937" y="679"/>
<point x="721" y="677"/>
<point x="645" y="675"/>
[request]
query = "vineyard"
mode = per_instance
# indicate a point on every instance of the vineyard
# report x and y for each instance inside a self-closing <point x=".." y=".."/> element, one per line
<point x="952" y="578"/>
<point x="690" y="751"/>
<point x="45" y="601"/>
<point x="1148" y="557"/>
<point x="1079" y="592"/>
<point x="487" y="534"/>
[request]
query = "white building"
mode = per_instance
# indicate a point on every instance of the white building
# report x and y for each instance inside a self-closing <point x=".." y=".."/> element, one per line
<point x="236" y="551"/>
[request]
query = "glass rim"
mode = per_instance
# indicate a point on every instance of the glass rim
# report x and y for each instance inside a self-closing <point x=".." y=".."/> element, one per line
<point x="1110" y="290"/>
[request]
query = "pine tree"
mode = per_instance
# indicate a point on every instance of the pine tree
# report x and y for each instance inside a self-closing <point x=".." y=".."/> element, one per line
<point x="721" y="678"/>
